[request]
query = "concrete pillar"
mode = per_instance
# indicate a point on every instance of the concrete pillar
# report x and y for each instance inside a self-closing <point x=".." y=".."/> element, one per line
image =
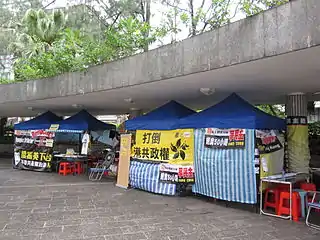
<point x="135" y="113"/>
<point x="298" y="153"/>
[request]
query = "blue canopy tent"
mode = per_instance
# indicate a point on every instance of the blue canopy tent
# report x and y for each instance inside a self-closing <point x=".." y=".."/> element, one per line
<point x="42" y="121"/>
<point x="144" y="175"/>
<point x="83" y="121"/>
<point x="162" y="118"/>
<point x="232" y="112"/>
<point x="228" y="173"/>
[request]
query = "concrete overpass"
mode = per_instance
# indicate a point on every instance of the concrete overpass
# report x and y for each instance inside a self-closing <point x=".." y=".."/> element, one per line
<point x="263" y="58"/>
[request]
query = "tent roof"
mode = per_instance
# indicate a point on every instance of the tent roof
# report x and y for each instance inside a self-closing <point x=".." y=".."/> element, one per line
<point x="232" y="112"/>
<point x="162" y="118"/>
<point x="83" y="121"/>
<point x="42" y="121"/>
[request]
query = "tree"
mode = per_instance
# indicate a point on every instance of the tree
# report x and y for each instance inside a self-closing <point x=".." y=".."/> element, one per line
<point x="171" y="23"/>
<point x="47" y="44"/>
<point x="37" y="32"/>
<point x="10" y="12"/>
<point x="203" y="15"/>
<point x="82" y="19"/>
<point x="274" y="110"/>
<point x="74" y="51"/>
<point x="3" y="122"/>
<point x="200" y="16"/>
<point x="251" y="7"/>
<point x="111" y="12"/>
<point x="129" y="37"/>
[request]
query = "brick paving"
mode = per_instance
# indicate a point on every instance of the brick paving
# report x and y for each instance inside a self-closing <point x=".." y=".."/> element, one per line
<point x="43" y="206"/>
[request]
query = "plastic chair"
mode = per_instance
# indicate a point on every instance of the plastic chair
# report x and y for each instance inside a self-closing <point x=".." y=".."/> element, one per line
<point x="78" y="167"/>
<point x="314" y="204"/>
<point x="309" y="187"/>
<point x="284" y="205"/>
<point x="303" y="196"/>
<point x="65" y="168"/>
<point x="101" y="168"/>
<point x="271" y="199"/>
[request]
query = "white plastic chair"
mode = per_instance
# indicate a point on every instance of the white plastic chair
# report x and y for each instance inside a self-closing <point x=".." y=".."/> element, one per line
<point x="314" y="204"/>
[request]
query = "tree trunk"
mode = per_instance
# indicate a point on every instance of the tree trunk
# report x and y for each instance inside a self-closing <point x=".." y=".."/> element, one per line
<point x="272" y="110"/>
<point x="193" y="20"/>
<point x="147" y="20"/>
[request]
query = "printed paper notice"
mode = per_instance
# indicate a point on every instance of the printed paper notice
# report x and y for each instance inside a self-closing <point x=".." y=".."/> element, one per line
<point x="264" y="165"/>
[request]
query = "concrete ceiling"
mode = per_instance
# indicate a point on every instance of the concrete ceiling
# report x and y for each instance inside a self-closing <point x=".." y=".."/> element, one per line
<point x="261" y="81"/>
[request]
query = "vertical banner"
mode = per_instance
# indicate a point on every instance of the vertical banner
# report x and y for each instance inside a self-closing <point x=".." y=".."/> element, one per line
<point x="270" y="146"/>
<point x="172" y="146"/>
<point x="268" y="141"/>
<point x="298" y="144"/>
<point x="33" y="150"/>
<point x="124" y="161"/>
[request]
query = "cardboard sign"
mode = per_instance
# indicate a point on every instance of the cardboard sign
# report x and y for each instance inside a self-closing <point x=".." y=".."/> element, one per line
<point x="124" y="161"/>
<point x="54" y="127"/>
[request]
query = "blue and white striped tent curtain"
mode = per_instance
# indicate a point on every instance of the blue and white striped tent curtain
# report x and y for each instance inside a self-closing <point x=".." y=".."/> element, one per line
<point x="226" y="174"/>
<point x="145" y="176"/>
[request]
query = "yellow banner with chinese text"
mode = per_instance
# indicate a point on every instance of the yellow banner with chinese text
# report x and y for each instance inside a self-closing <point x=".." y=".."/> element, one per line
<point x="36" y="159"/>
<point x="171" y="146"/>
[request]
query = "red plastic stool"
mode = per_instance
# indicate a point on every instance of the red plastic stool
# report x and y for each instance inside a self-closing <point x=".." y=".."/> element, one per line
<point x="283" y="187"/>
<point x="271" y="199"/>
<point x="78" y="168"/>
<point x="309" y="187"/>
<point x="65" y="168"/>
<point x="284" y="205"/>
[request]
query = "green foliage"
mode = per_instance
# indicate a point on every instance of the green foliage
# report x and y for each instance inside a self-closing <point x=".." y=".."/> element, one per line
<point x="37" y="32"/>
<point x="314" y="129"/>
<point x="252" y="7"/>
<point x="47" y="43"/>
<point x="74" y="51"/>
<point x="10" y="12"/>
<point x="203" y="15"/>
<point x="128" y="37"/>
<point x="5" y="81"/>
<point x="42" y="26"/>
<point x="198" y="16"/>
<point x="275" y="110"/>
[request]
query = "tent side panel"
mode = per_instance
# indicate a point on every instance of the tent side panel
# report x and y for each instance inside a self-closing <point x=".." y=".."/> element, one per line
<point x="226" y="174"/>
<point x="145" y="176"/>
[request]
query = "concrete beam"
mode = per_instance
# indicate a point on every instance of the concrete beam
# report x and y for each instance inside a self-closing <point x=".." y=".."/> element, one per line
<point x="290" y="27"/>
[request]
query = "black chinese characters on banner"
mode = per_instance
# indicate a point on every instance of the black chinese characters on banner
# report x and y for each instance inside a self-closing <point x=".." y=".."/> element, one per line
<point x="151" y="150"/>
<point x="267" y="141"/>
<point x="176" y="174"/>
<point x="224" y="138"/>
<point x="161" y="154"/>
<point x="33" y="150"/>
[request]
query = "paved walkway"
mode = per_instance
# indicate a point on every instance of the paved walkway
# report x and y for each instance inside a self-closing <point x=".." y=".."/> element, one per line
<point x="44" y="206"/>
